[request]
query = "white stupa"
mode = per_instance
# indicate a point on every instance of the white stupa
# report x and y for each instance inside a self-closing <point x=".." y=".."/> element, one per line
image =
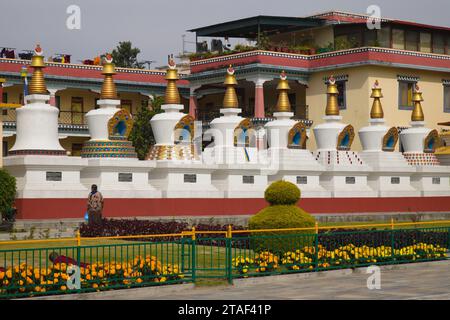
<point x="419" y="144"/>
<point x="345" y="172"/>
<point x="391" y="173"/>
<point x="37" y="121"/>
<point x="234" y="136"/>
<point x="112" y="161"/>
<point x="37" y="159"/>
<point x="179" y="172"/>
<point x="288" y="158"/>
<point x="109" y="126"/>
<point x="234" y="148"/>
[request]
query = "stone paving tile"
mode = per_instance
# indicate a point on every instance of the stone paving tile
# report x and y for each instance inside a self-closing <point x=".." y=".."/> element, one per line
<point x="427" y="281"/>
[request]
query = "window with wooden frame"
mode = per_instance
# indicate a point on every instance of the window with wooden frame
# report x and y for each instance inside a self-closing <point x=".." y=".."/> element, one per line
<point x="76" y="108"/>
<point x="342" y="96"/>
<point x="398" y="39"/>
<point x="438" y="43"/>
<point x="127" y="104"/>
<point x="447" y="97"/>
<point x="411" y="40"/>
<point x="425" y="42"/>
<point x="405" y="93"/>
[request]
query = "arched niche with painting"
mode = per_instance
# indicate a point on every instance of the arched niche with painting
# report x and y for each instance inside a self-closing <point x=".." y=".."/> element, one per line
<point x="297" y="136"/>
<point x="184" y="130"/>
<point x="345" y="138"/>
<point x="390" y="140"/>
<point x="120" y="125"/>
<point x="432" y="141"/>
<point x="245" y="134"/>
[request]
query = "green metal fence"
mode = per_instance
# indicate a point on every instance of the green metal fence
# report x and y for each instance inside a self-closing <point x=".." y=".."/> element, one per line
<point x="38" y="271"/>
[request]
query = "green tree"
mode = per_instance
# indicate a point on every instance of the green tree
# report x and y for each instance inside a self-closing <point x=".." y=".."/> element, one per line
<point x="126" y="56"/>
<point x="7" y="191"/>
<point x="142" y="135"/>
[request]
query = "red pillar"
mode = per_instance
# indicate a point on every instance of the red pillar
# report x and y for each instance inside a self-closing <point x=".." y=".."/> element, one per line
<point x="52" y="100"/>
<point x="259" y="100"/>
<point x="193" y="104"/>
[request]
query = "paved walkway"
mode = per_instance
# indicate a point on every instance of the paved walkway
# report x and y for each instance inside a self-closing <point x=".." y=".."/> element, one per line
<point x="416" y="281"/>
<point x="429" y="280"/>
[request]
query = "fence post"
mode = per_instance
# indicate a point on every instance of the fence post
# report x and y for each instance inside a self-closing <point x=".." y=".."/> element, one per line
<point x="78" y="247"/>
<point x="182" y="252"/>
<point x="448" y="242"/>
<point x="229" y="255"/>
<point x="194" y="255"/>
<point x="78" y="234"/>
<point x="316" y="244"/>
<point x="392" y="240"/>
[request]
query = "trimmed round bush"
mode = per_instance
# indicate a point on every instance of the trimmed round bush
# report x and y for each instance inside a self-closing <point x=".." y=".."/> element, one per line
<point x="281" y="217"/>
<point x="283" y="213"/>
<point x="282" y="193"/>
<point x="7" y="191"/>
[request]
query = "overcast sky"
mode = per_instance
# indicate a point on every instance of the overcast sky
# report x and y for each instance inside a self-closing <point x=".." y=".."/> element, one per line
<point x="156" y="26"/>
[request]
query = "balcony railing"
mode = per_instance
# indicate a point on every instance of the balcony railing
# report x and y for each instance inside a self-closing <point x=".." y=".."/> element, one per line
<point x="360" y="56"/>
<point x="208" y="116"/>
<point x="69" y="117"/>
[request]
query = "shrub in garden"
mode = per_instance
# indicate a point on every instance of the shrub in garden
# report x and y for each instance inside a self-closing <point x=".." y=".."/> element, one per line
<point x="282" y="213"/>
<point x="7" y="191"/>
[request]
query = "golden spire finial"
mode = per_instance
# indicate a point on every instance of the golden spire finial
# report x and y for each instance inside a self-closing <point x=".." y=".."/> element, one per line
<point x="332" y="108"/>
<point x="230" y="99"/>
<point x="417" y="114"/>
<point x="172" y="95"/>
<point x="37" y="84"/>
<point x="108" y="88"/>
<point x="377" y="110"/>
<point x="283" y="104"/>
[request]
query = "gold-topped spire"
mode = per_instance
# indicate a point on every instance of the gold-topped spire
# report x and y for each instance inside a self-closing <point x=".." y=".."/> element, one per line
<point x="172" y="95"/>
<point x="377" y="109"/>
<point x="332" y="108"/>
<point x="108" y="88"/>
<point x="37" y="84"/>
<point x="283" y="104"/>
<point x="417" y="114"/>
<point x="230" y="99"/>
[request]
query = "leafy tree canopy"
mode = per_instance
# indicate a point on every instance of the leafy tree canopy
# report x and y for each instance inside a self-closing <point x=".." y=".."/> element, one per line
<point x="126" y="56"/>
<point x="142" y="135"/>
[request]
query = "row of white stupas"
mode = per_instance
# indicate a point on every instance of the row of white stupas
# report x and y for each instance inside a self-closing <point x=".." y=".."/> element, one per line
<point x="231" y="166"/>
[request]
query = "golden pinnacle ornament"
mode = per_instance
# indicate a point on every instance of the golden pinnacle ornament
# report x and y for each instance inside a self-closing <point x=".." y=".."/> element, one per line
<point x="377" y="110"/>
<point x="332" y="108"/>
<point x="230" y="99"/>
<point x="108" y="88"/>
<point x="283" y="104"/>
<point x="37" y="84"/>
<point x="172" y="95"/>
<point x="417" y="114"/>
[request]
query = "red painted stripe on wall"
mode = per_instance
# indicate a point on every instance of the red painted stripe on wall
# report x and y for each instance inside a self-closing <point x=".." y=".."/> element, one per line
<point x="75" y="208"/>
